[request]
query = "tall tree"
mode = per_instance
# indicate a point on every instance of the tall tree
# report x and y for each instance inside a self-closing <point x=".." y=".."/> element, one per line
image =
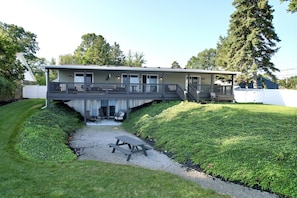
<point x="204" y="60"/>
<point x="116" y="55"/>
<point x="251" y="40"/>
<point x="292" y="7"/>
<point x="135" y="59"/>
<point x="175" y="65"/>
<point x="67" y="59"/>
<point x="14" y="39"/>
<point x="93" y="50"/>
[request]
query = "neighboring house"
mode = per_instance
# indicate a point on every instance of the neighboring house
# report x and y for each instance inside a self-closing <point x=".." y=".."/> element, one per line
<point x="106" y="90"/>
<point x="263" y="83"/>
<point x="28" y="75"/>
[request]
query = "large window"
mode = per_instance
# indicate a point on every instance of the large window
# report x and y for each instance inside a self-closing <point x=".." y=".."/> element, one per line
<point x="150" y="83"/>
<point x="79" y="77"/>
<point x="79" y="80"/>
<point x="132" y="80"/>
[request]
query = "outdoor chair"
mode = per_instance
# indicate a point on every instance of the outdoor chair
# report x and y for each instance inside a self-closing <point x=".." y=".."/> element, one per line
<point x="120" y="116"/>
<point x="89" y="117"/>
<point x="213" y="96"/>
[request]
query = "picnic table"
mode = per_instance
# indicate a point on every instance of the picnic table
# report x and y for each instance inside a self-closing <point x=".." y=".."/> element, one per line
<point x="134" y="146"/>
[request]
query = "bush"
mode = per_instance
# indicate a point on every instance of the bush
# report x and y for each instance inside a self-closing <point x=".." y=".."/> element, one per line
<point x="45" y="135"/>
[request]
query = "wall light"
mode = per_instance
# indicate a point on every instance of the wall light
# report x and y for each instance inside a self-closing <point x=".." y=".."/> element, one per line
<point x="118" y="77"/>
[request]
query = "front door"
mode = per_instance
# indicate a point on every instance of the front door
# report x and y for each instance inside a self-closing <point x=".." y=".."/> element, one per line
<point x="194" y="80"/>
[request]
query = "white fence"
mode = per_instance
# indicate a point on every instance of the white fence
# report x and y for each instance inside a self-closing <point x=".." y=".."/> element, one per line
<point x="266" y="96"/>
<point x="280" y="97"/>
<point x="34" y="91"/>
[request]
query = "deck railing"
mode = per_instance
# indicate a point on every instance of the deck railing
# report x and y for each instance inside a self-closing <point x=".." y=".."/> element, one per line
<point x="63" y="90"/>
<point x="58" y="89"/>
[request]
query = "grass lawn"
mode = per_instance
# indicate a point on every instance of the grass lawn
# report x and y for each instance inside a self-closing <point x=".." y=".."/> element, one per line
<point x="23" y="174"/>
<point x="252" y="144"/>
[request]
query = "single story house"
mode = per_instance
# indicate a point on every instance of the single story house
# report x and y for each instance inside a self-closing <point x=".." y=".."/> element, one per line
<point x="102" y="91"/>
<point x="263" y="83"/>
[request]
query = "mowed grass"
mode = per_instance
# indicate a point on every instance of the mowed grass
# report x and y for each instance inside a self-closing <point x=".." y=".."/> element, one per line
<point x="21" y="176"/>
<point x="251" y="144"/>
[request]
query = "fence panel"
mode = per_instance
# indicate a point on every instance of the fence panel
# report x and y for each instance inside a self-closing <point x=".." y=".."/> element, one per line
<point x="34" y="91"/>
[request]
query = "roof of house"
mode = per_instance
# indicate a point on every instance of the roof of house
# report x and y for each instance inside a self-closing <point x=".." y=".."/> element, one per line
<point x="140" y="69"/>
<point x="28" y="75"/>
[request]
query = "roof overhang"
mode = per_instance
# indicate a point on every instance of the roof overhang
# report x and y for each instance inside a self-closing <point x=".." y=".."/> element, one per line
<point x="135" y="69"/>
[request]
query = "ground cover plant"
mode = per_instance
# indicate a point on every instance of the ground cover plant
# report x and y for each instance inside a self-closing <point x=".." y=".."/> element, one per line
<point x="44" y="135"/>
<point x="27" y="175"/>
<point x="251" y="144"/>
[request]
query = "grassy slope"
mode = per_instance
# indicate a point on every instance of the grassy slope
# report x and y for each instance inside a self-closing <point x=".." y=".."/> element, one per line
<point x="23" y="178"/>
<point x="252" y="144"/>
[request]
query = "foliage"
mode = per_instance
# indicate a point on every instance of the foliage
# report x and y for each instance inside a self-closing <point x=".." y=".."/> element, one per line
<point x="36" y="67"/>
<point x="249" y="144"/>
<point x="14" y="39"/>
<point x="95" y="50"/>
<point x="290" y="83"/>
<point x="45" y="135"/>
<point x="292" y="5"/>
<point x="67" y="59"/>
<point x="135" y="59"/>
<point x="6" y="87"/>
<point x="204" y="60"/>
<point x="175" y="65"/>
<point x="23" y="178"/>
<point x="251" y="40"/>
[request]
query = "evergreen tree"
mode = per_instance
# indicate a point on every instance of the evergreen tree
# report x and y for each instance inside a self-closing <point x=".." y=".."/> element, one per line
<point x="292" y="7"/>
<point x="251" y="40"/>
<point x="175" y="65"/>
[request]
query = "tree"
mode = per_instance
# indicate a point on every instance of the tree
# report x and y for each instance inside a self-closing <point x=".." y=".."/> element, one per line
<point x="116" y="56"/>
<point x="93" y="50"/>
<point x="292" y="5"/>
<point x="67" y="59"/>
<point x="135" y="59"/>
<point x="289" y="83"/>
<point x="175" y="65"/>
<point x="14" y="39"/>
<point x="251" y="40"/>
<point x="204" y="60"/>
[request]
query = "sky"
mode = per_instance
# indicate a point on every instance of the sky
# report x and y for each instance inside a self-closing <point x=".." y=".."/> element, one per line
<point x="163" y="30"/>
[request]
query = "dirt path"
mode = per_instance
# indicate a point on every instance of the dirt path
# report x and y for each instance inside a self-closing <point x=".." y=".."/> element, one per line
<point x="91" y="142"/>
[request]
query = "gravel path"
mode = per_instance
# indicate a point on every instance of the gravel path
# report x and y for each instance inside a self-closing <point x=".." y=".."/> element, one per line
<point x="91" y="142"/>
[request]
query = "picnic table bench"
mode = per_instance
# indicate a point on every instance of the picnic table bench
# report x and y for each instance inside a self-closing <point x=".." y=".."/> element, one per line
<point x="134" y="146"/>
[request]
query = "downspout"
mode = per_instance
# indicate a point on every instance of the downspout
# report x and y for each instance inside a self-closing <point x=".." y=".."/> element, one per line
<point x="85" y="102"/>
<point x="47" y="102"/>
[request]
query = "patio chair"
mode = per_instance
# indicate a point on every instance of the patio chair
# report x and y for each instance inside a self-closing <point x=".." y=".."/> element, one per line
<point x="89" y="117"/>
<point x="213" y="96"/>
<point x="101" y="113"/>
<point x="120" y="116"/>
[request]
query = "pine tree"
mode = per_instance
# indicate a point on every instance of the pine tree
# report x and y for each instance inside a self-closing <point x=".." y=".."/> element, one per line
<point x="251" y="40"/>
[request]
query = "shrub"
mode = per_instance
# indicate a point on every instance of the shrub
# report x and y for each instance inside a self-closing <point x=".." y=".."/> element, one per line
<point x="45" y="135"/>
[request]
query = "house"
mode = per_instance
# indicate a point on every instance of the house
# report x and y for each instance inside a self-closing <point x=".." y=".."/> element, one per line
<point x="263" y="83"/>
<point x="28" y="75"/>
<point x="106" y="90"/>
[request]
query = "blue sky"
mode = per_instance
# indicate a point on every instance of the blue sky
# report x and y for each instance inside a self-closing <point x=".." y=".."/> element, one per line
<point x="164" y="30"/>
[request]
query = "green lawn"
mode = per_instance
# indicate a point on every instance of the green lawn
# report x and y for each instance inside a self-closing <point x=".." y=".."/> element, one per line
<point x="248" y="143"/>
<point x="31" y="173"/>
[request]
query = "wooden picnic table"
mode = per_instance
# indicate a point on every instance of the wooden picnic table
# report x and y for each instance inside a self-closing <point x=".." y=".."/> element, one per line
<point x="134" y="146"/>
